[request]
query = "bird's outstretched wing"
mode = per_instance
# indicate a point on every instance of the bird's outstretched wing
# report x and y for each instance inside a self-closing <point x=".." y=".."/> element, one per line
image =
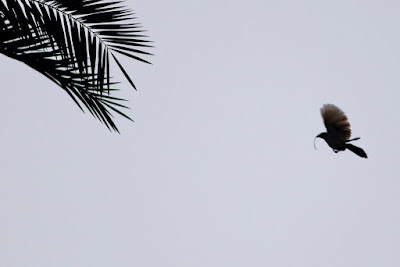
<point x="336" y="121"/>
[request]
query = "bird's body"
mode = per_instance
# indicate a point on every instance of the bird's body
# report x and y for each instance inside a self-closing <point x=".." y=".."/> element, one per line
<point x="338" y="130"/>
<point x="337" y="144"/>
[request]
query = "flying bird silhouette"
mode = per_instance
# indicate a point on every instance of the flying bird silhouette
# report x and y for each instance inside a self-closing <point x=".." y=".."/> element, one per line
<point x="338" y="130"/>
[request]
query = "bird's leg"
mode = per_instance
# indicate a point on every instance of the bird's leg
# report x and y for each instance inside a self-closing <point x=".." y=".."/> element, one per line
<point x="354" y="139"/>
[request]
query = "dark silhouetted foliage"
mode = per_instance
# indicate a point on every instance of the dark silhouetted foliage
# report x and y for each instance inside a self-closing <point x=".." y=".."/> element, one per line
<point x="71" y="42"/>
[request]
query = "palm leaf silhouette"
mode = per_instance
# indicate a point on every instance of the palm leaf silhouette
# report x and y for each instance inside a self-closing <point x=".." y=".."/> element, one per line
<point x="71" y="42"/>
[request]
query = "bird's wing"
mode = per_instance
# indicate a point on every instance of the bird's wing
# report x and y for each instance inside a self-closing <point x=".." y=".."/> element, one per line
<point x="336" y="121"/>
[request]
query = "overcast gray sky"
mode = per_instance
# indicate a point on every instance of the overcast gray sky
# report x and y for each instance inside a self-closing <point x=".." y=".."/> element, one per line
<point x="219" y="167"/>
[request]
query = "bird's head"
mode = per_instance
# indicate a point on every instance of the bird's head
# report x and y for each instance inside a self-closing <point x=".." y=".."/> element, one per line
<point x="321" y="135"/>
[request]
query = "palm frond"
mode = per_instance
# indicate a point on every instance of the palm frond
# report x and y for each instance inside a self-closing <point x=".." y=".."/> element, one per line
<point x="70" y="42"/>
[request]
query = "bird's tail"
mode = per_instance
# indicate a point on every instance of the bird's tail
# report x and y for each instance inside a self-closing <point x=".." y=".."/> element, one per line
<point x="356" y="150"/>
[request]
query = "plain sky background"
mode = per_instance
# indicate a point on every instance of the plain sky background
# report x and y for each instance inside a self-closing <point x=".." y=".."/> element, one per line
<point x="219" y="167"/>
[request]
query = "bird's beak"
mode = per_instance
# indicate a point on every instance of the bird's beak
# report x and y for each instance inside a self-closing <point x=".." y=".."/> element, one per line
<point x="316" y="138"/>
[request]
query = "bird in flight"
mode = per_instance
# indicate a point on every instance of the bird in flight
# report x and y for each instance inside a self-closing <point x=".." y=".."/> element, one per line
<point x="338" y="131"/>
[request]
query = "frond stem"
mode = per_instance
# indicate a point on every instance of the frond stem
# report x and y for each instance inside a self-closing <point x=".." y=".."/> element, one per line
<point x="108" y="49"/>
